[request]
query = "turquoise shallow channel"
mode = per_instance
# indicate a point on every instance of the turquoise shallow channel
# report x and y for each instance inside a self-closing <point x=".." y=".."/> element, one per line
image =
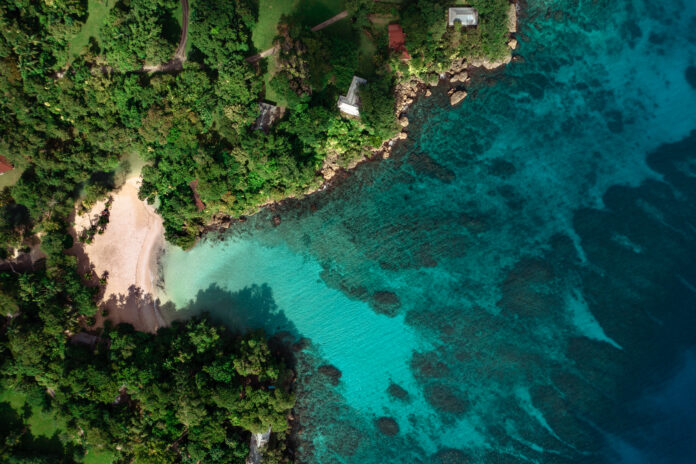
<point x="517" y="283"/>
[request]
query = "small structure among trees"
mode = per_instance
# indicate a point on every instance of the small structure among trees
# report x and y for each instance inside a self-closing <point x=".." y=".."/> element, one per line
<point x="350" y="104"/>
<point x="397" y="40"/>
<point x="5" y="165"/>
<point x="466" y="16"/>
<point x="268" y="114"/>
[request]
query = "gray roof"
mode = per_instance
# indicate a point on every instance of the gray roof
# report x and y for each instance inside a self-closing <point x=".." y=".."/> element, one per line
<point x="350" y="103"/>
<point x="268" y="114"/>
<point x="465" y="15"/>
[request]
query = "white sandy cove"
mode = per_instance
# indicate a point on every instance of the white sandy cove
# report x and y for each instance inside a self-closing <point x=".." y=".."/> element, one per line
<point x="127" y="251"/>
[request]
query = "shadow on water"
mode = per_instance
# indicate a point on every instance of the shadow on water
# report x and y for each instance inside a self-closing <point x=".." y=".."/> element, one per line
<point x="252" y="307"/>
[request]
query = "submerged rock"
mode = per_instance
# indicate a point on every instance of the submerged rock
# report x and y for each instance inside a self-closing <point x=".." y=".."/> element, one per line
<point x="691" y="76"/>
<point x="397" y="392"/>
<point x="385" y="302"/>
<point x="331" y="372"/>
<point x="450" y="456"/>
<point x="446" y="399"/>
<point x="387" y="426"/>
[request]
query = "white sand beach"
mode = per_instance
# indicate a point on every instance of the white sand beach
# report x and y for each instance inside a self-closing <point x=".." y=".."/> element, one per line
<point x="127" y="251"/>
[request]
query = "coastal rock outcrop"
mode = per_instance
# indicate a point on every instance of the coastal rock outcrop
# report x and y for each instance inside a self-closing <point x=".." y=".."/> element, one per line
<point x="457" y="97"/>
<point x="459" y="77"/>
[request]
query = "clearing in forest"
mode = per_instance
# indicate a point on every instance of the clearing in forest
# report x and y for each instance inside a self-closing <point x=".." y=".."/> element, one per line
<point x="308" y="12"/>
<point x="98" y="10"/>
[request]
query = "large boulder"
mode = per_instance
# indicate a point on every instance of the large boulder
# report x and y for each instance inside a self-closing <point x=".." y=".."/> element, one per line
<point x="457" y="97"/>
<point x="459" y="77"/>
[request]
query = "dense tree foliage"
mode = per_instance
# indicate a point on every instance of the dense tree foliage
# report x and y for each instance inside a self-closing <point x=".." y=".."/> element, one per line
<point x="134" y="33"/>
<point x="69" y="119"/>
<point x="191" y="393"/>
<point x="433" y="45"/>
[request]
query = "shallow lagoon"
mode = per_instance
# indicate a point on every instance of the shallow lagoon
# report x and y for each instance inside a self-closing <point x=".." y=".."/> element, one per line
<point x="517" y="282"/>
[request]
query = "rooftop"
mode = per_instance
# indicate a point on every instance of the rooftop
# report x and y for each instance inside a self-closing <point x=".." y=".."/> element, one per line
<point x="397" y="40"/>
<point x="349" y="104"/>
<point x="466" y="16"/>
<point x="268" y="114"/>
<point x="5" y="165"/>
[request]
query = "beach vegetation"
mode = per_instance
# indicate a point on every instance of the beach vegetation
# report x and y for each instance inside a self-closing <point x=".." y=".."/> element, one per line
<point x="76" y="101"/>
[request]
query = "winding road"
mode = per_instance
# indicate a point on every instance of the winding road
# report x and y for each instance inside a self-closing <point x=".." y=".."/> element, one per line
<point x="181" y="49"/>
<point x="179" y="58"/>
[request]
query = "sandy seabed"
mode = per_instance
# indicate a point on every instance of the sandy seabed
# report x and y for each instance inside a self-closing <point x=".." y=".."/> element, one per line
<point x="127" y="252"/>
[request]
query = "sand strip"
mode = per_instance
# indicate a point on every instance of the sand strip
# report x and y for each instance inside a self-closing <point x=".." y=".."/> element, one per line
<point x="127" y="252"/>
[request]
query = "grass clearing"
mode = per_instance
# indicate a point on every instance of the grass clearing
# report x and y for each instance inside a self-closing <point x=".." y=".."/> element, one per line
<point x="270" y="12"/>
<point x="97" y="456"/>
<point x="98" y="10"/>
<point x="10" y="178"/>
<point x="13" y="398"/>
<point x="271" y="96"/>
<point x="44" y="423"/>
<point x="366" y="66"/>
<point x="307" y="12"/>
<point x="313" y="12"/>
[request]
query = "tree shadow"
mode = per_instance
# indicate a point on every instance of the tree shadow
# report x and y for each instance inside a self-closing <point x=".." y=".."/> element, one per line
<point x="250" y="308"/>
<point x="136" y="308"/>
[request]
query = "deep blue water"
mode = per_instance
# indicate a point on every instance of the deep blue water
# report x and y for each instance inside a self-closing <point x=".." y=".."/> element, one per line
<point x="517" y="283"/>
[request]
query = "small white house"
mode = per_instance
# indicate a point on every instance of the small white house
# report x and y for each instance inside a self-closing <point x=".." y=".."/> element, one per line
<point x="350" y="104"/>
<point x="466" y="16"/>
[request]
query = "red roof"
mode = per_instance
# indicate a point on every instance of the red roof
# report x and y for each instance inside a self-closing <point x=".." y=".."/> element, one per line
<point x="5" y="165"/>
<point x="397" y="40"/>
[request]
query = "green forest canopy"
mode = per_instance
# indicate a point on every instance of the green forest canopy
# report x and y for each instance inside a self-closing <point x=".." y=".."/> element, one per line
<point x="75" y="103"/>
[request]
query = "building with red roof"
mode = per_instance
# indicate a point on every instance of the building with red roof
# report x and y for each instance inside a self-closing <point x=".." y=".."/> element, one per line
<point x="397" y="40"/>
<point x="5" y="165"/>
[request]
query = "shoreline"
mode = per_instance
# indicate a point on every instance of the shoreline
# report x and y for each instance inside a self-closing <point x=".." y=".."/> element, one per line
<point x="455" y="78"/>
<point x="147" y="280"/>
<point x="126" y="256"/>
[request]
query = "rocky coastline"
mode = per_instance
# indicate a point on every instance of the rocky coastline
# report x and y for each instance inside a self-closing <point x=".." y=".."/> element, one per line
<point x="456" y="79"/>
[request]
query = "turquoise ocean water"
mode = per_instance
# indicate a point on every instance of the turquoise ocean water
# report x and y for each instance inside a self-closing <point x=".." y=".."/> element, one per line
<point x="517" y="283"/>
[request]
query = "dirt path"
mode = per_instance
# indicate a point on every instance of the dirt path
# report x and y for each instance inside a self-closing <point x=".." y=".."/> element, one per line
<point x="330" y="21"/>
<point x="179" y="58"/>
<point x="318" y="27"/>
<point x="181" y="49"/>
<point x="263" y="54"/>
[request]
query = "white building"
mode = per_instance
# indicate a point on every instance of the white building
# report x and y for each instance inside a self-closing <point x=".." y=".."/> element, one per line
<point x="350" y="104"/>
<point x="465" y="15"/>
